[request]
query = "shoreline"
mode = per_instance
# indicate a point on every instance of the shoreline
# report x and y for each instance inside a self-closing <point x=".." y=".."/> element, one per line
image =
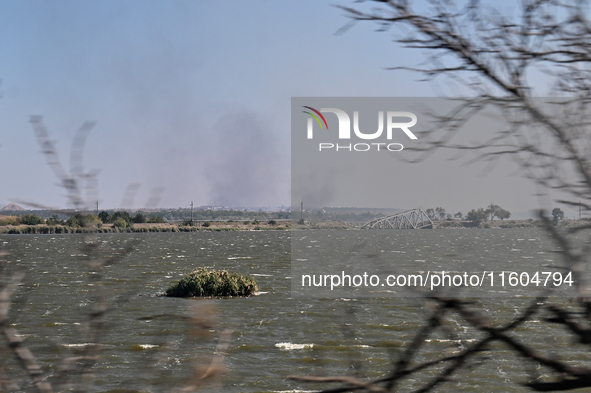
<point x="43" y="229"/>
<point x="221" y="226"/>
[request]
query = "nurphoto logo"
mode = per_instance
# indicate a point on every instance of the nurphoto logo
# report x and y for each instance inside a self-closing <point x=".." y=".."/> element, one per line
<point x="344" y="130"/>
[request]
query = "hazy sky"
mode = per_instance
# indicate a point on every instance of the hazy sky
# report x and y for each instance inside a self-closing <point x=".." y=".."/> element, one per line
<point x="193" y="97"/>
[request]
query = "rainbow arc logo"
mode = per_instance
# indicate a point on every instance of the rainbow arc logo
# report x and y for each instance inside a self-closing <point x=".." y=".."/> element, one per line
<point x="314" y="116"/>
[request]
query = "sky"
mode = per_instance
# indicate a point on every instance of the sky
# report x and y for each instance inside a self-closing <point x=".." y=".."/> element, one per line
<point x="191" y="101"/>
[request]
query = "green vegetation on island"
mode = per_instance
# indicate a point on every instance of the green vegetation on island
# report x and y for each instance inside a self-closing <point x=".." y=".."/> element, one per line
<point x="210" y="283"/>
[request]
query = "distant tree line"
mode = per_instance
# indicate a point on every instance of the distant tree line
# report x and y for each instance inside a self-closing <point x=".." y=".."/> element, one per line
<point x="331" y="214"/>
<point x="124" y="219"/>
<point x="489" y="213"/>
<point x="119" y="219"/>
<point x="222" y="215"/>
<point x="477" y="216"/>
<point x="437" y="214"/>
<point x="171" y="215"/>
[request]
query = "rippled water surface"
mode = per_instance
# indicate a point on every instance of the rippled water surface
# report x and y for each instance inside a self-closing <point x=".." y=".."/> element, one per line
<point x="148" y="343"/>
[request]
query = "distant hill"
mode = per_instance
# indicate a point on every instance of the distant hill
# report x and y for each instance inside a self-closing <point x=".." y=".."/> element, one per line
<point x="12" y="206"/>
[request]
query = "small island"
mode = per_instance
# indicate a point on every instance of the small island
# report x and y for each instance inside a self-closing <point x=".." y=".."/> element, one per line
<point x="211" y="283"/>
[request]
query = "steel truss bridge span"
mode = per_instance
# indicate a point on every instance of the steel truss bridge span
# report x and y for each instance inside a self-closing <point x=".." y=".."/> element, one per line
<point x="408" y="219"/>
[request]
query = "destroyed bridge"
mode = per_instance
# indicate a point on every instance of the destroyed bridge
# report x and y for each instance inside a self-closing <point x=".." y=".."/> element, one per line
<point x="408" y="219"/>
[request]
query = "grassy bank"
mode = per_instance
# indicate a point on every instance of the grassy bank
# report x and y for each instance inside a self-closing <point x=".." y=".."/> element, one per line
<point x="502" y="224"/>
<point x="144" y="228"/>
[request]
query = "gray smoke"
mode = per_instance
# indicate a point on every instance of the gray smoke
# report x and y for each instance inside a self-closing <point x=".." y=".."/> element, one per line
<point x="315" y="188"/>
<point x="248" y="168"/>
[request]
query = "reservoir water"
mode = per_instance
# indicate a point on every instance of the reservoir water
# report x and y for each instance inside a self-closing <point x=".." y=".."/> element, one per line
<point x="151" y="343"/>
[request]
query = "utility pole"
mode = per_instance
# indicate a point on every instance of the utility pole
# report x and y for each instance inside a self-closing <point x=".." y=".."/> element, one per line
<point x="191" y="213"/>
<point x="97" y="208"/>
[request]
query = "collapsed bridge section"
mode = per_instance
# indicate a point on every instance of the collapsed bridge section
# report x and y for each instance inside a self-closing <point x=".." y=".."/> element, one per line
<point x="408" y="219"/>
